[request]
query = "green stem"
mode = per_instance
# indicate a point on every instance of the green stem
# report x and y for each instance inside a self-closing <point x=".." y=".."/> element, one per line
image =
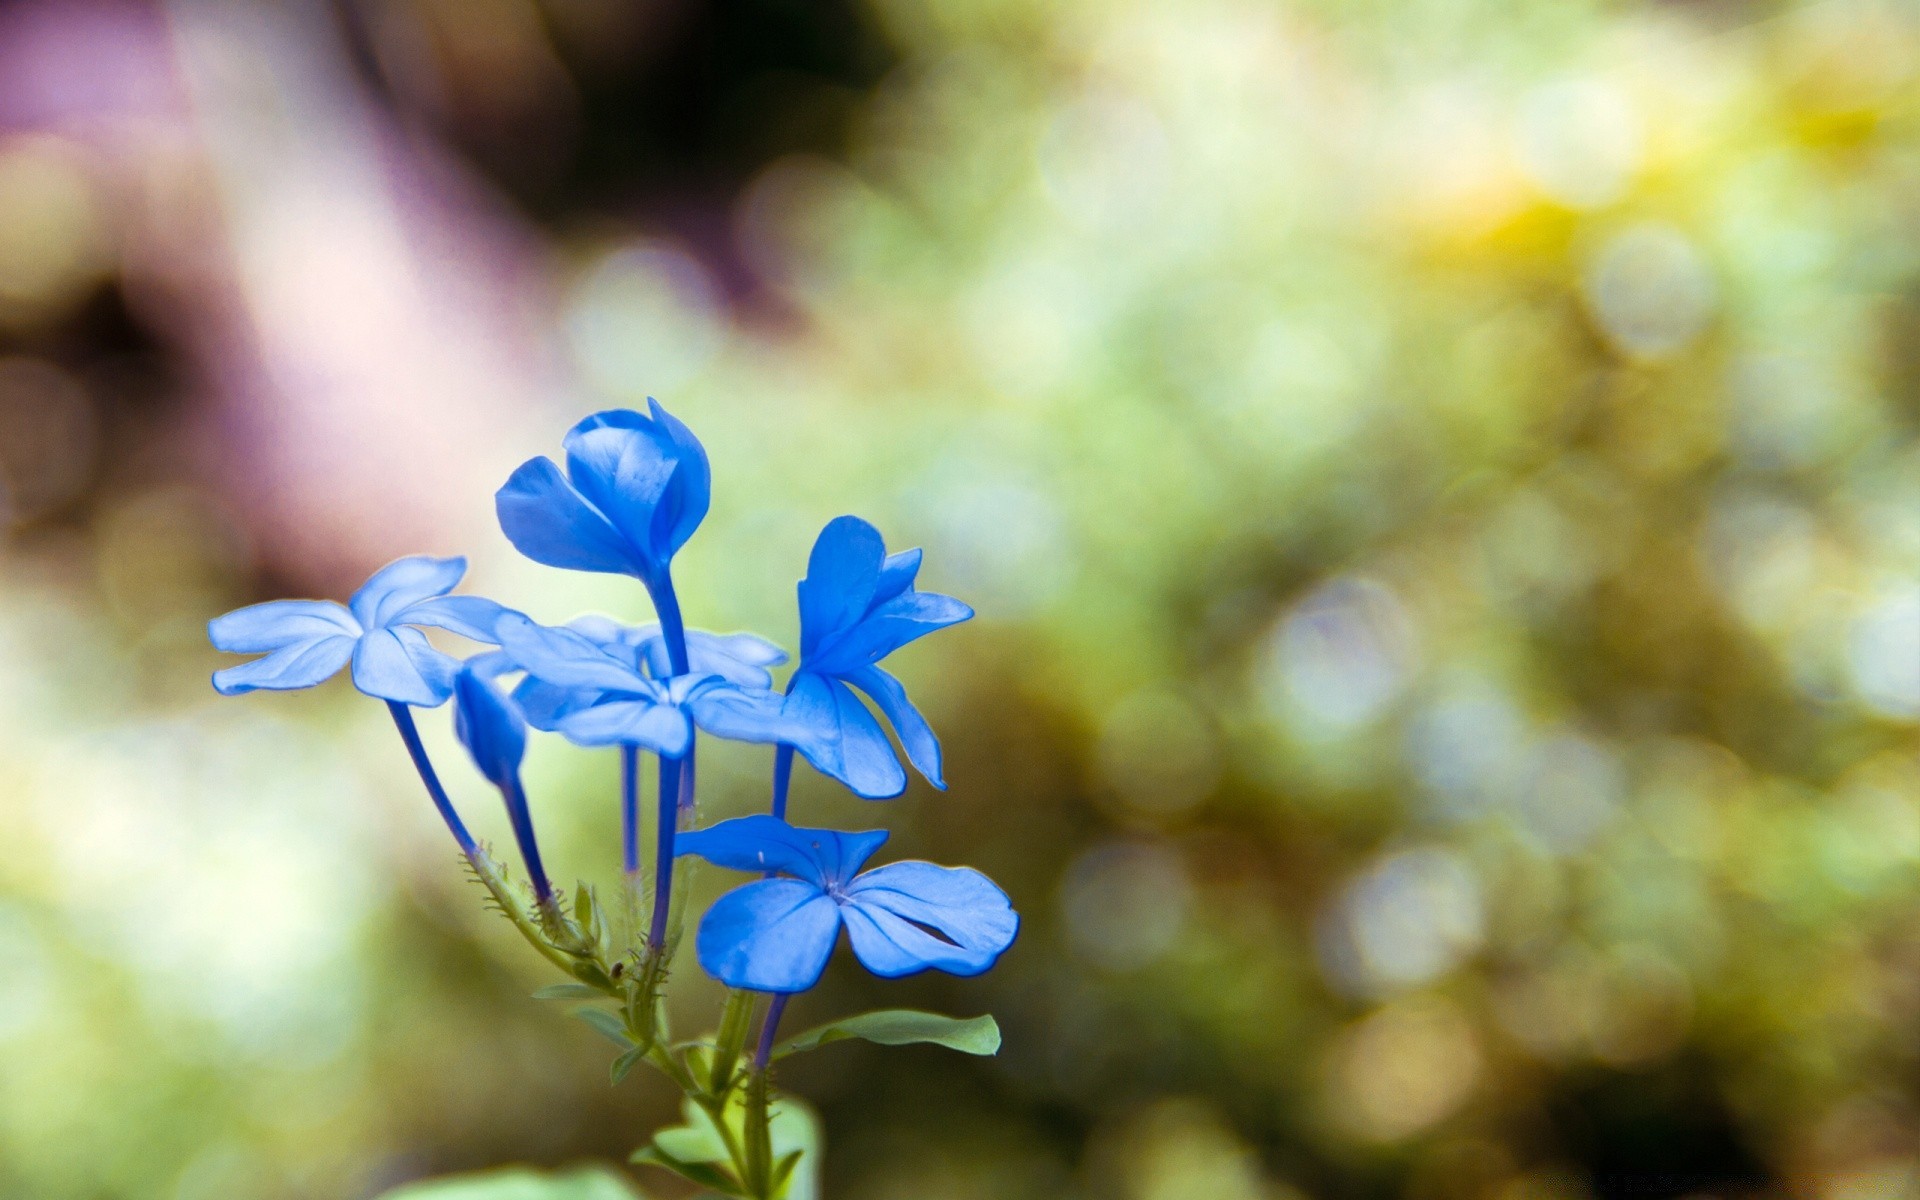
<point x="735" y="1021"/>
<point x="759" y="1139"/>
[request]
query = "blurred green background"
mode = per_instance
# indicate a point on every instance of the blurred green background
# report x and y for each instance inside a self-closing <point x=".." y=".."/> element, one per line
<point x="1440" y="480"/>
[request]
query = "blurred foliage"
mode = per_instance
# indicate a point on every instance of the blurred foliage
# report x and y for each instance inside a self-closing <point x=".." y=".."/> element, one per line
<point x="1441" y="483"/>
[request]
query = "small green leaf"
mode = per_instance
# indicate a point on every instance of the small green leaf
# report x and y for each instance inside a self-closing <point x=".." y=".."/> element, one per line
<point x="901" y="1027"/>
<point x="625" y="1063"/>
<point x="704" y="1174"/>
<point x="569" y="991"/>
<point x="795" y="1133"/>
<point x="607" y="1025"/>
<point x="698" y="1056"/>
<point x="519" y="1183"/>
<point x="698" y="1140"/>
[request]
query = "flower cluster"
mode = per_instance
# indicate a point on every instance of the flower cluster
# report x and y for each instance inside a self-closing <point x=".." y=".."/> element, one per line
<point x="634" y="489"/>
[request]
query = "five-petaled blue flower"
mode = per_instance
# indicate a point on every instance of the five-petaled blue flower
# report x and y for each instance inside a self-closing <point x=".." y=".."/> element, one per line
<point x="636" y="487"/>
<point x="600" y="695"/>
<point x="775" y="935"/>
<point x="307" y="641"/>
<point x="858" y="605"/>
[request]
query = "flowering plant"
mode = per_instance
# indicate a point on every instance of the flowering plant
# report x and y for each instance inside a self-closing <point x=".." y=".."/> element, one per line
<point x="634" y="490"/>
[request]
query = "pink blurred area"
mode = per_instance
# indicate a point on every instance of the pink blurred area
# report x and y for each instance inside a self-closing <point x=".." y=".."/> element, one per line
<point x="353" y="318"/>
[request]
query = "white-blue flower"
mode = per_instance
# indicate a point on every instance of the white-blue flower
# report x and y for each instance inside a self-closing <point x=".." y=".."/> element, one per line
<point x="306" y="642"/>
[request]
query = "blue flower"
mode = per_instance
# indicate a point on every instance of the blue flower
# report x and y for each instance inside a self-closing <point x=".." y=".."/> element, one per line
<point x="635" y="488"/>
<point x="496" y="736"/>
<point x="599" y="695"/>
<point x="738" y="658"/>
<point x="776" y="934"/>
<point x="858" y="605"/>
<point x="307" y="641"/>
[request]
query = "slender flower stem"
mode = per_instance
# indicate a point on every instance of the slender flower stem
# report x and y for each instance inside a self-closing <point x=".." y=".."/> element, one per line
<point x="630" y="807"/>
<point x="768" y="1029"/>
<point x="782" y="777"/>
<point x="668" y="823"/>
<point x="666" y="604"/>
<point x="403" y="719"/>
<point x="783" y="766"/>
<point x="522" y="820"/>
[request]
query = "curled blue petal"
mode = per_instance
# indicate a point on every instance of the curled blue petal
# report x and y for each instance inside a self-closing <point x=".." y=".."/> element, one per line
<point x="923" y="748"/>
<point x="403" y="583"/>
<point x="823" y="857"/>
<point x="841" y="739"/>
<point x="773" y="935"/>
<point x="889" y="626"/>
<point x="549" y="522"/>
<point x="295" y="665"/>
<point x="469" y="616"/>
<point x="625" y="473"/>
<point x="490" y="728"/>
<point x="908" y="917"/>
<point x="565" y="658"/>
<point x="636" y="487"/>
<point x="398" y="664"/>
<point x="259" y="628"/>
<point x="896" y="575"/>
<point x="842" y="573"/>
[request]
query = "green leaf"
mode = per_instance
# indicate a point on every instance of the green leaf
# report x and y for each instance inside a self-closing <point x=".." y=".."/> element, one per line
<point x="569" y="991"/>
<point x="795" y="1132"/>
<point x="698" y="1057"/>
<point x="698" y="1140"/>
<point x="625" y="1063"/>
<point x="519" y="1183"/>
<point x="901" y="1027"/>
<point x="704" y="1174"/>
<point x="607" y="1025"/>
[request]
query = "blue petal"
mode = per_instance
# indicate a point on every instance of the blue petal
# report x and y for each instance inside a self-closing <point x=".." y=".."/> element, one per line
<point x="258" y="628"/>
<point x="545" y="705"/>
<point x="923" y="748"/>
<point x="402" y="583"/>
<point x="742" y="714"/>
<point x="841" y="574"/>
<point x="840" y="738"/>
<point x="896" y="576"/>
<point x="890" y="909"/>
<point x="887" y="628"/>
<point x="741" y="658"/>
<point x="823" y="857"/>
<point x="625" y="473"/>
<point x="563" y="657"/>
<point x="692" y="488"/>
<point x="491" y="665"/>
<point x="492" y="731"/>
<point x="549" y="522"/>
<point x="398" y="664"/>
<point x="773" y="935"/>
<point x="297" y="665"/>
<point x="683" y="501"/>
<point x="469" y="616"/>
<point x="661" y="728"/>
